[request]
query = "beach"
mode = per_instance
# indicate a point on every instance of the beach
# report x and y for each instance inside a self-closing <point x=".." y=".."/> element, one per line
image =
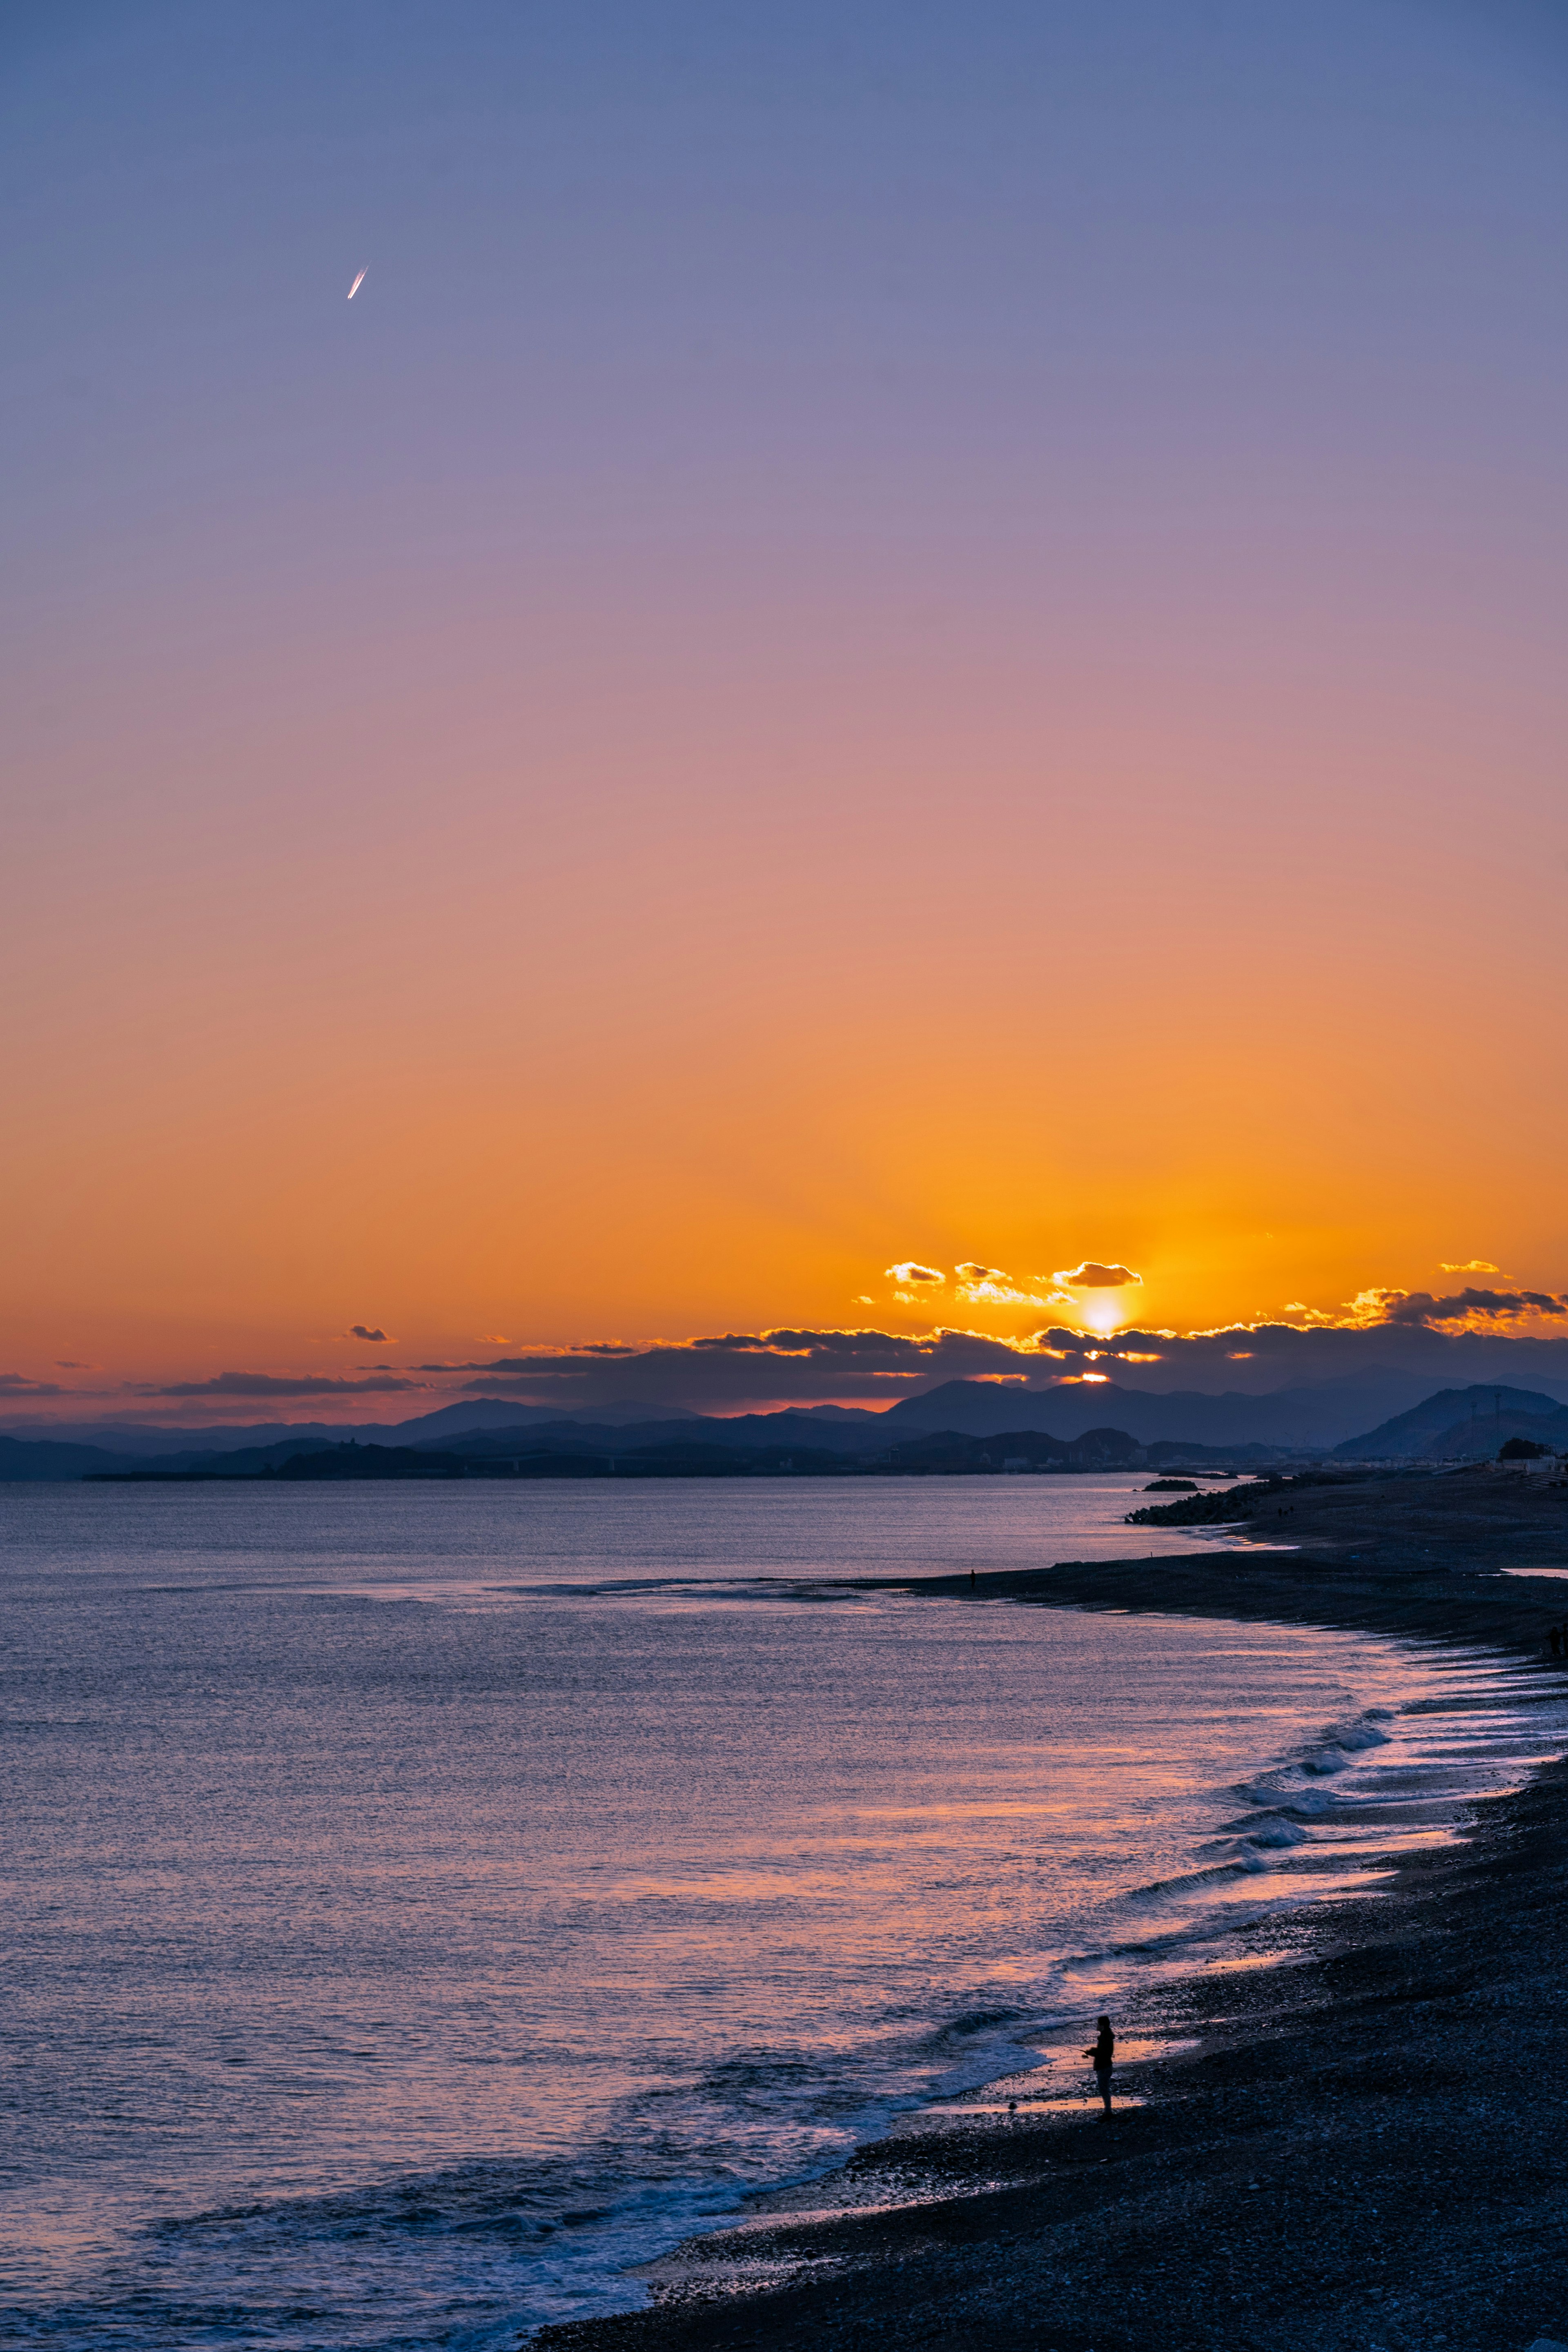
<point x="1356" y="2137"/>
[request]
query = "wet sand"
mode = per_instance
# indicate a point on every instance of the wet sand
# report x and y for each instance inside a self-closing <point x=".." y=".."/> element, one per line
<point x="1360" y="2142"/>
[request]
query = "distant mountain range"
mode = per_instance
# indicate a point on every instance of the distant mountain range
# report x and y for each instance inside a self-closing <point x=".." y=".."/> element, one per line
<point x="1329" y="1419"/>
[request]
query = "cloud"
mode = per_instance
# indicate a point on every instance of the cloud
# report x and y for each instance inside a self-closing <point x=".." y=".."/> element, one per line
<point x="987" y="1285"/>
<point x="1367" y="1308"/>
<point x="1468" y="1310"/>
<point x="494" y="1339"/>
<point x="18" y="1385"/>
<point x="909" y="1272"/>
<point x="747" y="1342"/>
<point x="1468" y="1266"/>
<point x="1091" y="1276"/>
<point x="271" y="1384"/>
<point x="734" y="1370"/>
<point x="362" y="1332"/>
<point x="1475" y="1309"/>
<point x="69" y="1364"/>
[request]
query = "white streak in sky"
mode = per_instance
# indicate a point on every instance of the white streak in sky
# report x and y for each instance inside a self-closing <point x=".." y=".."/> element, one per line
<point x="353" y="290"/>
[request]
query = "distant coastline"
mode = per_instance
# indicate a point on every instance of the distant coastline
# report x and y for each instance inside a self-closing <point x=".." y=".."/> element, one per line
<point x="943" y="1455"/>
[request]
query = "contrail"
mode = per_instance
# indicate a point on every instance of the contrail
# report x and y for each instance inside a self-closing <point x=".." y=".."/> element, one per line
<point x="353" y="290"/>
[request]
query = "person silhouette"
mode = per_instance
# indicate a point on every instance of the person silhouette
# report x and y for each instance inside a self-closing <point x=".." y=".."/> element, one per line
<point x="1104" y="2056"/>
<point x="1555" y="1640"/>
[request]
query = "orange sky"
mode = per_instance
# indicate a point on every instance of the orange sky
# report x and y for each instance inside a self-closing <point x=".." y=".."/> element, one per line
<point x="653" y="1065"/>
<point x="635" y="841"/>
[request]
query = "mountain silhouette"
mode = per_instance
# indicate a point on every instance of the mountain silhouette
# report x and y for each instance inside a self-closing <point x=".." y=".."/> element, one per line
<point x="1460" y="1424"/>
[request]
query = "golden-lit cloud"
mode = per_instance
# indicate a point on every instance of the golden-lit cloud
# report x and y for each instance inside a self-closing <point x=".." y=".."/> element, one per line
<point x="1463" y="1310"/>
<point x="1091" y="1276"/>
<point x="1468" y="1266"/>
<point x="908" y="1274"/>
<point x="988" y="1286"/>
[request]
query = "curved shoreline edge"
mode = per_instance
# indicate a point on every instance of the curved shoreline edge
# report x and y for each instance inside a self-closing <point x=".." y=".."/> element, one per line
<point x="1363" y="2150"/>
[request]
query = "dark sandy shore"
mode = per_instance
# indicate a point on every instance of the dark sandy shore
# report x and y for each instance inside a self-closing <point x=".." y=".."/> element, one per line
<point x="1365" y="2146"/>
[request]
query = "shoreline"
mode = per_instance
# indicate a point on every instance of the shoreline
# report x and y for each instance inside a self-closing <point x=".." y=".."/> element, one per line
<point x="1363" y="2140"/>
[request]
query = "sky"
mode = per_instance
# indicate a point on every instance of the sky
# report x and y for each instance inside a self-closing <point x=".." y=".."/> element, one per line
<point x="884" y="638"/>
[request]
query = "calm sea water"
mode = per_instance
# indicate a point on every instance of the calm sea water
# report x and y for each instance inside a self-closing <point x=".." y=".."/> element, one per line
<point x="426" y="1903"/>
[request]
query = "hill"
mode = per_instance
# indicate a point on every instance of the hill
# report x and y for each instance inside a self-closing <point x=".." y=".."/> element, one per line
<point x="1460" y="1424"/>
<point x="44" y="1457"/>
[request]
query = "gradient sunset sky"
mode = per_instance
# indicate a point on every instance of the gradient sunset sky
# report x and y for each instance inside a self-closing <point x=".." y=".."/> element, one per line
<point x="886" y="637"/>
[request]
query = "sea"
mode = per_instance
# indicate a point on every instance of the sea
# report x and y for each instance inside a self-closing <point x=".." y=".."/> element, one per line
<point x="426" y="1904"/>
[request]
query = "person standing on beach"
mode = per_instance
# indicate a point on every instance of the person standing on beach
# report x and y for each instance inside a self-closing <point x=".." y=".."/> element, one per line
<point x="1104" y="2056"/>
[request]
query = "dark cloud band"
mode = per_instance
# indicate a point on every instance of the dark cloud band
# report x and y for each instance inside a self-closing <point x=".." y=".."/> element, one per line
<point x="735" y="1370"/>
<point x="273" y="1384"/>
